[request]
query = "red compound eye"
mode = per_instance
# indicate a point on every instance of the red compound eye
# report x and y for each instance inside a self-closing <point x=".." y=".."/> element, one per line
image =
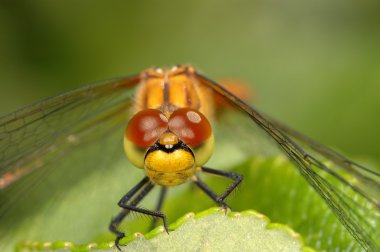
<point x="146" y="127"/>
<point x="190" y="126"/>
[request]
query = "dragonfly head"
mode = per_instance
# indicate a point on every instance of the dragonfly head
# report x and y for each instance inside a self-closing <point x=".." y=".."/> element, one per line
<point x="169" y="149"/>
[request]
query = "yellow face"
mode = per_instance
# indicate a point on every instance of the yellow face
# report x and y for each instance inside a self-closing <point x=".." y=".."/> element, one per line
<point x="169" y="149"/>
<point x="169" y="162"/>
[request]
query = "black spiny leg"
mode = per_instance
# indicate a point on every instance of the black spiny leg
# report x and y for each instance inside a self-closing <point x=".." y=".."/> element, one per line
<point x="115" y="222"/>
<point x="159" y="205"/>
<point x="145" y="186"/>
<point x="219" y="199"/>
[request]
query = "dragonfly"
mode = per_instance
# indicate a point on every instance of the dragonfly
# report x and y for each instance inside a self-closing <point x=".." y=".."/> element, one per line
<point x="166" y="118"/>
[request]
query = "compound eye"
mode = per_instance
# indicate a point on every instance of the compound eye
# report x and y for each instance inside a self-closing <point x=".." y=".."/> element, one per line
<point x="146" y="127"/>
<point x="191" y="126"/>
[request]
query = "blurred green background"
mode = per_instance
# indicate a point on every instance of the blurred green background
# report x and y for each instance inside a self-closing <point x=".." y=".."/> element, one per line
<point x="313" y="64"/>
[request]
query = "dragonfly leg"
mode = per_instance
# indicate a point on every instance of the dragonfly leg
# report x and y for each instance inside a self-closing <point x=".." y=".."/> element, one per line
<point x="159" y="205"/>
<point x="219" y="199"/>
<point x="128" y="204"/>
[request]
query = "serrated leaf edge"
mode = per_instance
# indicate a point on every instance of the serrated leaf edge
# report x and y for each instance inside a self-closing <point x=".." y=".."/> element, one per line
<point x="43" y="246"/>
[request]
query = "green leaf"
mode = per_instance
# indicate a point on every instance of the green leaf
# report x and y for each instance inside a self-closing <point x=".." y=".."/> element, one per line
<point x="211" y="230"/>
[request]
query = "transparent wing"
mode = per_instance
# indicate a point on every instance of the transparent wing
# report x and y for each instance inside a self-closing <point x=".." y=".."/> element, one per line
<point x="368" y="180"/>
<point x="37" y="129"/>
<point x="360" y="214"/>
<point x="46" y="148"/>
